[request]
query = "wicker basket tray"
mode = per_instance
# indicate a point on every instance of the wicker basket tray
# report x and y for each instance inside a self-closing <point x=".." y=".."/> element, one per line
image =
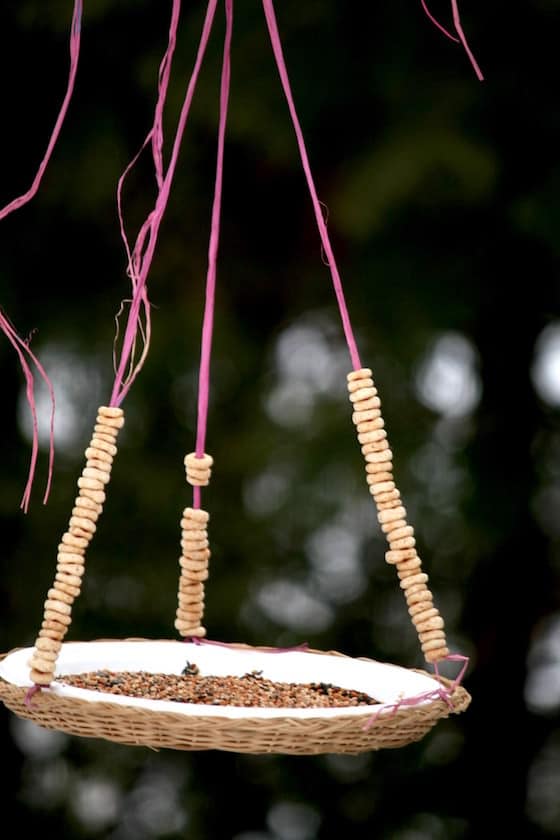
<point x="157" y="723"/>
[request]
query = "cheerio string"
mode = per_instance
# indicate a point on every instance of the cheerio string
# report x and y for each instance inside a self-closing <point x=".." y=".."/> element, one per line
<point x="145" y="246"/>
<point x="459" y="30"/>
<point x="208" y="322"/>
<point x="323" y="233"/>
<point x="268" y="6"/>
<point x="20" y="345"/>
<point x="75" y="32"/>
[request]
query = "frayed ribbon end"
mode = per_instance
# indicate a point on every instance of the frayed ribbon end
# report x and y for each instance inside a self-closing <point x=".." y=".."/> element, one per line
<point x="197" y="640"/>
<point x="30" y="694"/>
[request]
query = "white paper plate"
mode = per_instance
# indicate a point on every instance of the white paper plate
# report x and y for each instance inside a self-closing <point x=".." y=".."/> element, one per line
<point x="387" y="683"/>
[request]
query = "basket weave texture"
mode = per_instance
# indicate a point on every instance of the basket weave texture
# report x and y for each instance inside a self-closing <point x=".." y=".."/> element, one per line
<point x="296" y="736"/>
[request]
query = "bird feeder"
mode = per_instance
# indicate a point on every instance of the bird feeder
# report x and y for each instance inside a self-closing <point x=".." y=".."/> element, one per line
<point x="43" y="683"/>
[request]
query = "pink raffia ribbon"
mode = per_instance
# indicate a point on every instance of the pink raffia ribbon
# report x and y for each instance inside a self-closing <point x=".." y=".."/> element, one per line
<point x="459" y="30"/>
<point x="276" y="42"/>
<point x="441" y="693"/>
<point x="20" y="345"/>
<point x="141" y="257"/>
<point x="30" y="694"/>
<point x="155" y="137"/>
<point x="206" y="343"/>
<point x="210" y="296"/>
<point x="24" y="353"/>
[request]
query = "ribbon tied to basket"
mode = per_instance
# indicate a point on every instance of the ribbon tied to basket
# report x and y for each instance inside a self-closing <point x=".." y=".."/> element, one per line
<point x="366" y="412"/>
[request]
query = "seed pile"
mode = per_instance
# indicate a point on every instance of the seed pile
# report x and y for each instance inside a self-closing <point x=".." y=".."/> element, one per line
<point x="249" y="690"/>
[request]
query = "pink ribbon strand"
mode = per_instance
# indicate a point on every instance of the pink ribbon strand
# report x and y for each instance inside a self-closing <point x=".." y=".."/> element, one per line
<point x="323" y="233"/>
<point x="463" y="39"/>
<point x="198" y="640"/>
<point x="134" y="258"/>
<point x="75" y="33"/>
<point x="20" y="345"/>
<point x="143" y="253"/>
<point x="441" y="693"/>
<point x="24" y="353"/>
<point x="209" y="307"/>
<point x="30" y="694"/>
<point x="459" y="30"/>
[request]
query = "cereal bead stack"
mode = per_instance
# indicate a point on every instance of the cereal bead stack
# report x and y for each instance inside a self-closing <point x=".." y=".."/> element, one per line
<point x="71" y="551"/>
<point x="195" y="552"/>
<point x="198" y="469"/>
<point x="392" y="514"/>
<point x="194" y="571"/>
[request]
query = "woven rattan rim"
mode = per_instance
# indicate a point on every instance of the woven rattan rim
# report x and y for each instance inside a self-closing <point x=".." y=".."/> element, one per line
<point x="141" y="727"/>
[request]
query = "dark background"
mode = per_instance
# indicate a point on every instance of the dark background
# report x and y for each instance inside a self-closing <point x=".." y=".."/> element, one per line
<point x="444" y="205"/>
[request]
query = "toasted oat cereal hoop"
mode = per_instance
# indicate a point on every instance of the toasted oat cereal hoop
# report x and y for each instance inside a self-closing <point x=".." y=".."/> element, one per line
<point x="392" y="514"/>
